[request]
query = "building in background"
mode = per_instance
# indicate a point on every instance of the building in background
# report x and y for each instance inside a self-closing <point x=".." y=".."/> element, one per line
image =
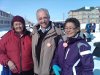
<point x="5" y="19"/>
<point x="59" y="24"/>
<point x="86" y="14"/>
<point x="29" y="25"/>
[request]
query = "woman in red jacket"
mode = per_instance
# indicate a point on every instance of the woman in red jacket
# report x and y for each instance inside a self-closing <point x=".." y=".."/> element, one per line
<point x="16" y="49"/>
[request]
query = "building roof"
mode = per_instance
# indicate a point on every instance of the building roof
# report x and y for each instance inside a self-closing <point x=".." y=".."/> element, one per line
<point x="8" y="13"/>
<point x="85" y="9"/>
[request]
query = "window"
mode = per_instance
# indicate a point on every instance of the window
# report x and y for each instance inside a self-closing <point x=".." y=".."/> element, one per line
<point x="1" y="21"/>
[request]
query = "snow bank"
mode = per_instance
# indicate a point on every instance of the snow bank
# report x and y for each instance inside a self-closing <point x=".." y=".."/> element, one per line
<point x="2" y="33"/>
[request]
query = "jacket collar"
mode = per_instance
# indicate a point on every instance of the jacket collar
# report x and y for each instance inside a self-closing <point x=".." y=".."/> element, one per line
<point x="23" y="34"/>
<point x="75" y="38"/>
<point x="51" y="30"/>
<point x="45" y="30"/>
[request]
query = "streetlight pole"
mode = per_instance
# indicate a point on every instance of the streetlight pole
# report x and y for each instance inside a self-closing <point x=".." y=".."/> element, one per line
<point x="63" y="17"/>
<point x="88" y="18"/>
<point x="99" y="23"/>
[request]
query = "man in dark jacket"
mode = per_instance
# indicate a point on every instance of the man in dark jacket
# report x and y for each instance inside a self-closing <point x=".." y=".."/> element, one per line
<point x="88" y="31"/>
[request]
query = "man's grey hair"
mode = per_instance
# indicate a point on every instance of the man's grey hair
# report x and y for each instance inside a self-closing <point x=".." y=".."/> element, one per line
<point x="45" y="10"/>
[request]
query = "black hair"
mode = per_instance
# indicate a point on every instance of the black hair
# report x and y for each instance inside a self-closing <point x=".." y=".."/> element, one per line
<point x="74" y="21"/>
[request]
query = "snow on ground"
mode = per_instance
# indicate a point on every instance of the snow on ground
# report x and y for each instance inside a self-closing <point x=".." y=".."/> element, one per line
<point x="96" y="39"/>
<point x="2" y="33"/>
<point x="96" y="59"/>
<point x="0" y="69"/>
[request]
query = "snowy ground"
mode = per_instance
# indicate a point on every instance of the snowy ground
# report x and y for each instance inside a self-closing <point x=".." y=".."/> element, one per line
<point x="96" y="59"/>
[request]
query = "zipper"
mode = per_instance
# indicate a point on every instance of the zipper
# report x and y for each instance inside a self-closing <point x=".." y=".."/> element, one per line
<point x="20" y="56"/>
<point x="36" y="45"/>
<point x="67" y="53"/>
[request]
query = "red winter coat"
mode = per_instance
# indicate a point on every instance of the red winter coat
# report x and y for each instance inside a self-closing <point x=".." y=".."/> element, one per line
<point x="17" y="49"/>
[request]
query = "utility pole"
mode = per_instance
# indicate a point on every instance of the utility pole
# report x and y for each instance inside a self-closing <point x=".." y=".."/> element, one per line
<point x="63" y="16"/>
<point x="99" y="22"/>
<point x="88" y="18"/>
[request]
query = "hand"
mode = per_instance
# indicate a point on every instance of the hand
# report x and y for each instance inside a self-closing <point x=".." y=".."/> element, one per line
<point x="12" y="66"/>
<point x="56" y="69"/>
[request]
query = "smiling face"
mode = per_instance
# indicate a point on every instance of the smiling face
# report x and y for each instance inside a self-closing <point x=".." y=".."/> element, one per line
<point x="43" y="19"/>
<point x="70" y="29"/>
<point x="18" y="27"/>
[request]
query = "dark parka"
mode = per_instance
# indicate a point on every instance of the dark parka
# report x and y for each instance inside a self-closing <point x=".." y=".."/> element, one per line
<point x="76" y="58"/>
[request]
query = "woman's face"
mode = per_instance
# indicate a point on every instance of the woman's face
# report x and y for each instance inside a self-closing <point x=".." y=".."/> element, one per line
<point x="70" y="29"/>
<point x="18" y="27"/>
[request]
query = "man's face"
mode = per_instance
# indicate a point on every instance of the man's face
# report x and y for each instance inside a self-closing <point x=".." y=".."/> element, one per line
<point x="43" y="19"/>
